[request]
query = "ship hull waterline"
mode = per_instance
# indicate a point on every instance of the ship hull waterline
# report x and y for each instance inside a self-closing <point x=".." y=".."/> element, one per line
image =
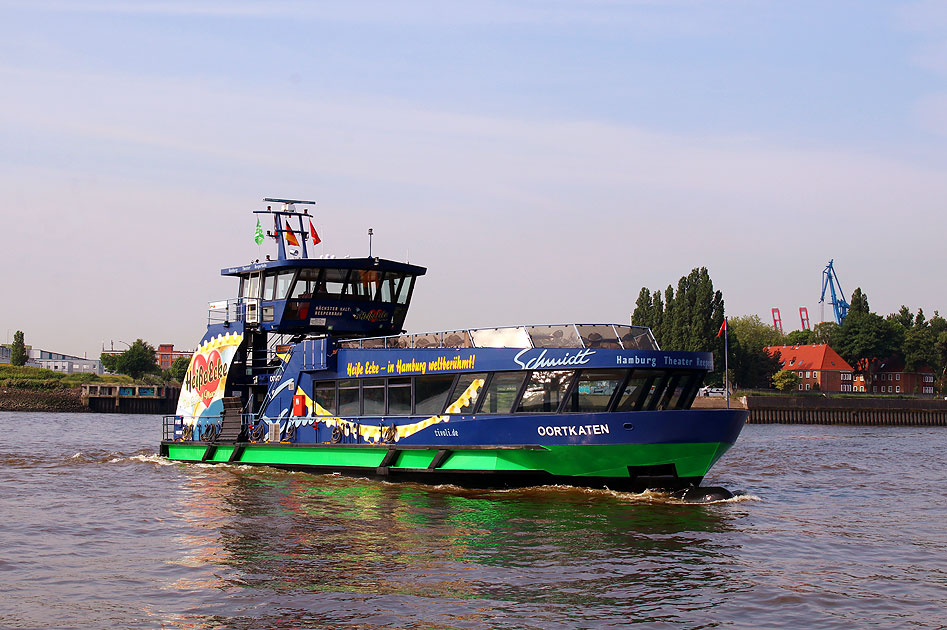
<point x="622" y="467"/>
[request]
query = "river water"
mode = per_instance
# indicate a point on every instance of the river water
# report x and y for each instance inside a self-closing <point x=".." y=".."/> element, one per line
<point x="835" y="527"/>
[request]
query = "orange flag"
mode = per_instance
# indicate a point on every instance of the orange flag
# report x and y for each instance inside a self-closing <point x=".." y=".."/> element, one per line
<point x="315" y="236"/>
<point x="290" y="237"/>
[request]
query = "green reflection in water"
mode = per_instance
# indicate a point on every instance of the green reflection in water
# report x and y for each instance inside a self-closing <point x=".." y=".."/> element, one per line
<point x="296" y="532"/>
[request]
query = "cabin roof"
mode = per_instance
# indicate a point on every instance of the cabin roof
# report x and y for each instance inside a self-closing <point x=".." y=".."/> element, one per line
<point x="374" y="264"/>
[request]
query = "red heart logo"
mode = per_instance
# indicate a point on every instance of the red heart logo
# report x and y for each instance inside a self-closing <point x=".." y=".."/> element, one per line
<point x="208" y="372"/>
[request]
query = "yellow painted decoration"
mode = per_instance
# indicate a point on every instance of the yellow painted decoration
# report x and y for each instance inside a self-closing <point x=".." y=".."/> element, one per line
<point x="372" y="433"/>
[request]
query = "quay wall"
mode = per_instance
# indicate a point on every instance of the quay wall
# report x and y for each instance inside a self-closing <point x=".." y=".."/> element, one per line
<point x="853" y="411"/>
<point x="17" y="399"/>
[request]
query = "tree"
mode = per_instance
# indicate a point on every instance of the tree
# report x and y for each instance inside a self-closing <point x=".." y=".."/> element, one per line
<point x="18" y="354"/>
<point x="137" y="360"/>
<point x="920" y="348"/>
<point x="752" y="366"/>
<point x="785" y="380"/>
<point x="859" y="302"/>
<point x="686" y="319"/>
<point x="866" y="339"/>
<point x="179" y="368"/>
<point x="903" y="317"/>
<point x="798" y="338"/>
<point x="825" y="332"/>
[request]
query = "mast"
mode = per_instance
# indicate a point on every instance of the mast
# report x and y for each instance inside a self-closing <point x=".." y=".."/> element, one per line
<point x="283" y="220"/>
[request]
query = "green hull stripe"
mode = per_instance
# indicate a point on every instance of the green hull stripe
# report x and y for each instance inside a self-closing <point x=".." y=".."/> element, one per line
<point x="607" y="460"/>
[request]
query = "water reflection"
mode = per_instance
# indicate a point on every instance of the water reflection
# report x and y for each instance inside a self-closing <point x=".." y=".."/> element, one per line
<point x="293" y="534"/>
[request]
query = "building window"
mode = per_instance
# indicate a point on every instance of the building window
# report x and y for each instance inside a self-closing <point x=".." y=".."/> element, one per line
<point x="898" y="376"/>
<point x="874" y="388"/>
<point x="898" y="389"/>
<point x="889" y="389"/>
<point x="808" y="386"/>
<point x="800" y="374"/>
<point x="800" y="386"/>
<point x="928" y="390"/>
<point x="815" y="374"/>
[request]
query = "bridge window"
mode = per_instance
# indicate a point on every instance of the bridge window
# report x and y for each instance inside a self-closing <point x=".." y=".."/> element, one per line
<point x="501" y="392"/>
<point x="269" y="280"/>
<point x="594" y="390"/>
<point x="405" y="291"/>
<point x="390" y="286"/>
<point x="334" y="282"/>
<point x="544" y="391"/>
<point x="306" y="284"/>
<point x="363" y="284"/>
<point x="283" y="281"/>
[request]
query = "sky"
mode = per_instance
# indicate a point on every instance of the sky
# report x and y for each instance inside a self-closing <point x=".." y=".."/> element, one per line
<point x="543" y="159"/>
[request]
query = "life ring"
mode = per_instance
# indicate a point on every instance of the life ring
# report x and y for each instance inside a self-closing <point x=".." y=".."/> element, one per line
<point x="187" y="433"/>
<point x="336" y="435"/>
<point x="257" y="433"/>
<point x="290" y="433"/>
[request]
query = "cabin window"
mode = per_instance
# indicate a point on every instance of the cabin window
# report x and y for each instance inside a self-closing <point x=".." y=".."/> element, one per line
<point x="599" y="337"/>
<point x="373" y="397"/>
<point x="594" y="390"/>
<point x="348" y="398"/>
<point x="283" y="282"/>
<point x="501" y="393"/>
<point x="467" y="392"/>
<point x="544" y="391"/>
<point x="323" y="394"/>
<point x="633" y="395"/>
<point x="685" y="390"/>
<point x="659" y="383"/>
<point x="399" y="396"/>
<point x="430" y="393"/>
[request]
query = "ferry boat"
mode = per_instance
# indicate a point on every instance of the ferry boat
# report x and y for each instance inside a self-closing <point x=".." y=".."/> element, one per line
<point x="308" y="368"/>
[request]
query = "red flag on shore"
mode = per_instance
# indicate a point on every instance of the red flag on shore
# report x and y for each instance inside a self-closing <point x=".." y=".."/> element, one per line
<point x="315" y="236"/>
<point x="723" y="327"/>
<point x="290" y="237"/>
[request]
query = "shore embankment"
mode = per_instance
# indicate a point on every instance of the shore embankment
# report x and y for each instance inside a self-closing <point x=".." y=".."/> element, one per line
<point x="847" y="410"/>
<point x="17" y="399"/>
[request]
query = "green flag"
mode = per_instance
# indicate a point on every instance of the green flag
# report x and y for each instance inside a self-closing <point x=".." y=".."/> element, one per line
<point x="258" y="237"/>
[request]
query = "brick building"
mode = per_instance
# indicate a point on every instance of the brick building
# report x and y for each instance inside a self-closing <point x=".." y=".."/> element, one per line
<point x="819" y="367"/>
<point x="165" y="355"/>
<point x="891" y="378"/>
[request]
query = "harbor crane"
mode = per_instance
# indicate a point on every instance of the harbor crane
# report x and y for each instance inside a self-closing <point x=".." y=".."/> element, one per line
<point x="830" y="281"/>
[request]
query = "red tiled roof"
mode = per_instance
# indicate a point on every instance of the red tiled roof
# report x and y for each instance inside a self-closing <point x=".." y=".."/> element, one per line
<point x="811" y="357"/>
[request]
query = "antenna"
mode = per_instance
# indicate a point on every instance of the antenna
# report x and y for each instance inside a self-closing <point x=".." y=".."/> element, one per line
<point x="370" y="233"/>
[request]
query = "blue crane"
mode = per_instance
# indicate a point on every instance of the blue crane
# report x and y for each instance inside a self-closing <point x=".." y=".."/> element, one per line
<point x="830" y="281"/>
